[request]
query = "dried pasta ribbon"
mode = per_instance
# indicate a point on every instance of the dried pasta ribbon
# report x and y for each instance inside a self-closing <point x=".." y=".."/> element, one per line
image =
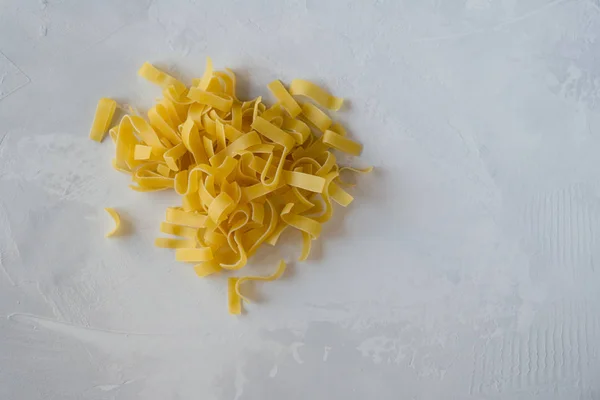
<point x="342" y="143"/>
<point x="273" y="133"/>
<point x="178" y="230"/>
<point x="300" y="222"/>
<point x="258" y="212"/>
<point x="241" y="260"/>
<point x="168" y="243"/>
<point x="116" y="219"/>
<point x="300" y="87"/>
<point x="317" y="117"/>
<point x="172" y="155"/>
<point x="104" y="115"/>
<point x="339" y="195"/>
<point x="305" y="181"/>
<point x="220" y="207"/>
<point x="203" y="82"/>
<point x="161" y="121"/>
<point x="296" y="128"/>
<point x="142" y="152"/>
<point x="352" y="169"/>
<point x="241" y="143"/>
<point x="306" y="245"/>
<point x="194" y="255"/>
<point x="221" y="102"/>
<point x="276" y="275"/>
<point x="145" y="131"/>
<point x="234" y="298"/>
<point x="193" y="142"/>
<point x="163" y="170"/>
<point x="358" y="170"/>
<point x="160" y="78"/>
<point x="286" y="99"/>
<point x="180" y="217"/>
<point x="191" y="202"/>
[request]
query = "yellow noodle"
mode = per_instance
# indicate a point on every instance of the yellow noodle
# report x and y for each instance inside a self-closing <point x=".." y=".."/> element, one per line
<point x="172" y="155"/>
<point x="300" y="87"/>
<point x="142" y="152"/>
<point x="340" y="196"/>
<point x="104" y="115"/>
<point x="116" y="219"/>
<point x="222" y="102"/>
<point x="160" y="78"/>
<point x="279" y="91"/>
<point x="234" y="299"/>
<point x="317" y="117"/>
<point x="342" y="143"/>
<point x="178" y="230"/>
<point x="168" y="243"/>
<point x="180" y="217"/>
<point x="207" y="268"/>
<point x="194" y="255"/>
<point x="276" y="275"/>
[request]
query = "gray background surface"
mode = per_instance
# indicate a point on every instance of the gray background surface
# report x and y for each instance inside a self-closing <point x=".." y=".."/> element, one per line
<point x="467" y="268"/>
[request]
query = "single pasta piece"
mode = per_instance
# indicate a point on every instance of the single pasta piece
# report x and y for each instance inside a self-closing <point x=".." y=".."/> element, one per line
<point x="300" y="87"/>
<point x="342" y="143"/>
<point x="104" y="115"/>
<point x="276" y="275"/>
<point x="116" y="219"/>
<point x="235" y="300"/>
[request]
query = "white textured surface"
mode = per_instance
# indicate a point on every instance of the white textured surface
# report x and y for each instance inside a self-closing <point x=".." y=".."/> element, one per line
<point x="466" y="269"/>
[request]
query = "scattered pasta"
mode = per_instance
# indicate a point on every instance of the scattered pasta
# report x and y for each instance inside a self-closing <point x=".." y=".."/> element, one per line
<point x="246" y="172"/>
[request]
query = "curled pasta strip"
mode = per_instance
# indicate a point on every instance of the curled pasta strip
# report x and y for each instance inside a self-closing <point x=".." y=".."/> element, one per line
<point x="194" y="255"/>
<point x="300" y="222"/>
<point x="341" y="143"/>
<point x="220" y="101"/>
<point x="160" y="78"/>
<point x="286" y="99"/>
<point x="161" y="121"/>
<point x="172" y="155"/>
<point x="300" y="87"/>
<point x="316" y="117"/>
<point x="168" y="243"/>
<point x="116" y="219"/>
<point x="104" y="115"/>
<point x="276" y="275"/>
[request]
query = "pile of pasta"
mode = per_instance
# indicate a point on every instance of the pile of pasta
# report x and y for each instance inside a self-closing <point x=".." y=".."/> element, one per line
<point x="245" y="171"/>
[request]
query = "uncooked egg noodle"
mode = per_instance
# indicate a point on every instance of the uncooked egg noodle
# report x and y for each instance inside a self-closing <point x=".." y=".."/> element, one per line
<point x="276" y="275"/>
<point x="246" y="172"/>
<point x="116" y="219"/>
<point x="104" y="115"/>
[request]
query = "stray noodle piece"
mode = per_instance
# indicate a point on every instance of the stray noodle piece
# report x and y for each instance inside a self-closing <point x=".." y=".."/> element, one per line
<point x="116" y="219"/>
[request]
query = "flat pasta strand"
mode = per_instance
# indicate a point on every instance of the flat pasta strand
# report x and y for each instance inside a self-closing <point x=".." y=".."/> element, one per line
<point x="301" y="87"/>
<point x="276" y="275"/>
<point x="286" y="99"/>
<point x="342" y="143"/>
<point x="104" y="115"/>
<point x="116" y="219"/>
